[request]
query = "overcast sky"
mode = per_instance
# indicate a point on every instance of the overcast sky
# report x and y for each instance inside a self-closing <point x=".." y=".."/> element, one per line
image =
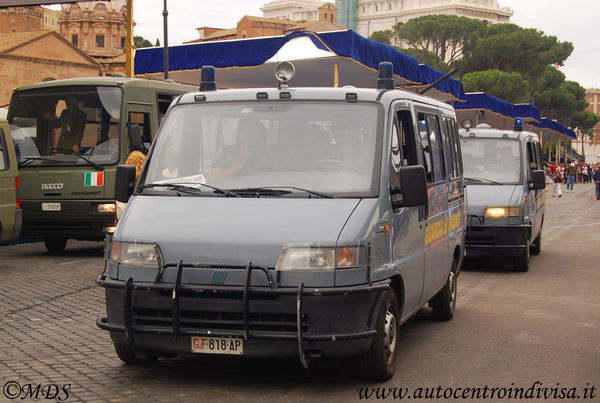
<point x="572" y="21"/>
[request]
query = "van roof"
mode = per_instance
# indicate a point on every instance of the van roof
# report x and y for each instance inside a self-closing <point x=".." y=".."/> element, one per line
<point x="490" y="132"/>
<point x="314" y="93"/>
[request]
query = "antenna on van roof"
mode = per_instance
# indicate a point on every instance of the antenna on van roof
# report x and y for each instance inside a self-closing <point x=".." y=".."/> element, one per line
<point x="439" y="80"/>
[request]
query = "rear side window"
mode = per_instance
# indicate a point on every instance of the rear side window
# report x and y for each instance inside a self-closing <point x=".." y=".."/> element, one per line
<point x="3" y="152"/>
<point x="429" y="132"/>
<point x="451" y="148"/>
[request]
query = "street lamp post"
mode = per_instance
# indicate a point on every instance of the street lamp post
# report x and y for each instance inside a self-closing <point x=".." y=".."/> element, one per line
<point x="165" y="14"/>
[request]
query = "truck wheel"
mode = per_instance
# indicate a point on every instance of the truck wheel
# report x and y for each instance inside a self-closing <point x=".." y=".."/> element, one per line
<point x="379" y="363"/>
<point x="521" y="263"/>
<point x="444" y="302"/>
<point x="536" y="246"/>
<point x="132" y="357"/>
<point x="55" y="245"/>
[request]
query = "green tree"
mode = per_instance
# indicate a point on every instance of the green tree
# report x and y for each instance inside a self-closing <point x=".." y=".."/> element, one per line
<point x="382" y="36"/>
<point x="157" y="42"/>
<point x="449" y="37"/>
<point x="141" y="42"/>
<point x="510" y="87"/>
<point x="510" y="48"/>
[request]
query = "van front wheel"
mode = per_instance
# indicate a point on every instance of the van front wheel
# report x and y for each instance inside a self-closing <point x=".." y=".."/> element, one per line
<point x="521" y="263"/>
<point x="536" y="246"/>
<point x="55" y="245"/>
<point x="379" y="363"/>
<point x="132" y="357"/>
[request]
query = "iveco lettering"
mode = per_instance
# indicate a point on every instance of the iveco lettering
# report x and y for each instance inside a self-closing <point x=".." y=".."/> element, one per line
<point x="288" y="222"/>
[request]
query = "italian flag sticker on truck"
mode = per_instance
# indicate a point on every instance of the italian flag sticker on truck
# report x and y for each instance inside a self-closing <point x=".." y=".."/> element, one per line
<point x="94" y="179"/>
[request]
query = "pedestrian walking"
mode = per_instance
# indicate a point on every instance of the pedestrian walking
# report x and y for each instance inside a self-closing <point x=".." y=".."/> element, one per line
<point x="571" y="173"/>
<point x="597" y="180"/>
<point x="557" y="190"/>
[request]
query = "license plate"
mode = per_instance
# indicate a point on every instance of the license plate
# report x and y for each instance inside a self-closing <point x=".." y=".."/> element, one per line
<point x="217" y="345"/>
<point x="50" y="206"/>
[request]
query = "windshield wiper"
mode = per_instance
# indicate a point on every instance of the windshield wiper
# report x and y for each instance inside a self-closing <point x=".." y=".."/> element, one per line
<point x="188" y="189"/>
<point x="483" y="180"/>
<point x="26" y="160"/>
<point x="92" y="163"/>
<point x="278" y="191"/>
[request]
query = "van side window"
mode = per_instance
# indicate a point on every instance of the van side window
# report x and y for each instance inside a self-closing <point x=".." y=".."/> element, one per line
<point x="532" y="162"/>
<point x="163" y="101"/>
<point x="449" y="150"/>
<point x="143" y="120"/>
<point x="3" y="153"/>
<point x="456" y="146"/>
<point x="403" y="149"/>
<point x="429" y="131"/>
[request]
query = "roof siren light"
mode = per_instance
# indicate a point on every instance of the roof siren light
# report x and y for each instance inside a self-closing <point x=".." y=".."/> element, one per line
<point x="385" y="81"/>
<point x="284" y="72"/>
<point x="207" y="79"/>
<point x="518" y="125"/>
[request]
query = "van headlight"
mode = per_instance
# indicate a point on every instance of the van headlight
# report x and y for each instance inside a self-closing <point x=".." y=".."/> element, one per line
<point x="501" y="212"/>
<point x="135" y="254"/>
<point x="321" y="258"/>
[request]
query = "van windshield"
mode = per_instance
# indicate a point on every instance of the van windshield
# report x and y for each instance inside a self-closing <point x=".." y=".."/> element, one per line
<point x="491" y="160"/>
<point x="70" y="125"/>
<point x="327" y="147"/>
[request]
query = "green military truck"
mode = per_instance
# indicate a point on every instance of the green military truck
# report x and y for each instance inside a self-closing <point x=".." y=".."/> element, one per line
<point x="10" y="204"/>
<point x="70" y="135"/>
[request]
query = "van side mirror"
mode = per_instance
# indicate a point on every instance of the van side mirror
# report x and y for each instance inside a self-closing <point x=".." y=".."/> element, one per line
<point x="413" y="187"/>
<point x="538" y="180"/>
<point x="124" y="182"/>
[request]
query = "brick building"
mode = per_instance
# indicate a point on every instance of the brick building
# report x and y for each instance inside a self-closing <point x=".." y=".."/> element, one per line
<point x="592" y="96"/>
<point x="253" y="27"/>
<point x="26" y="19"/>
<point x="31" y="57"/>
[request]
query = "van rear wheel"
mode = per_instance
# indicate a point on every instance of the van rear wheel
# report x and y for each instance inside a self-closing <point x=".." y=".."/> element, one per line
<point x="379" y="363"/>
<point x="444" y="302"/>
<point x="55" y="245"/>
<point x="130" y="356"/>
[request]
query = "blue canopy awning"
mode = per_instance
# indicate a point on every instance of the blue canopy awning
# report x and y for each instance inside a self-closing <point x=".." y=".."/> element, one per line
<point x="354" y="58"/>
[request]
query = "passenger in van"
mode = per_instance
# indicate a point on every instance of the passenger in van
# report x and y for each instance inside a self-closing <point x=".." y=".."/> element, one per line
<point x="311" y="146"/>
<point x="172" y="158"/>
<point x="248" y="156"/>
<point x="347" y="153"/>
<point x="72" y="122"/>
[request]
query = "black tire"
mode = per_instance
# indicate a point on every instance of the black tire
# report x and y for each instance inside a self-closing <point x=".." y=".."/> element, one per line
<point x="55" y="245"/>
<point x="132" y="357"/>
<point x="536" y="246"/>
<point x="521" y="263"/>
<point x="444" y="302"/>
<point x="379" y="363"/>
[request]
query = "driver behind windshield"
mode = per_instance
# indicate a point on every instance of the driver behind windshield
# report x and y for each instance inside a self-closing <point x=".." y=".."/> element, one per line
<point x="71" y="122"/>
<point x="248" y="156"/>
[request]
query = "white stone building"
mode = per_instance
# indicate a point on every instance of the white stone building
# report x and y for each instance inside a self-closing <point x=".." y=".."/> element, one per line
<point x="294" y="10"/>
<point x="379" y="15"/>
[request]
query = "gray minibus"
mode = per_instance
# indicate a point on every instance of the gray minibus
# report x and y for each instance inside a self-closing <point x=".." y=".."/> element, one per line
<point x="505" y="191"/>
<point x="288" y="222"/>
